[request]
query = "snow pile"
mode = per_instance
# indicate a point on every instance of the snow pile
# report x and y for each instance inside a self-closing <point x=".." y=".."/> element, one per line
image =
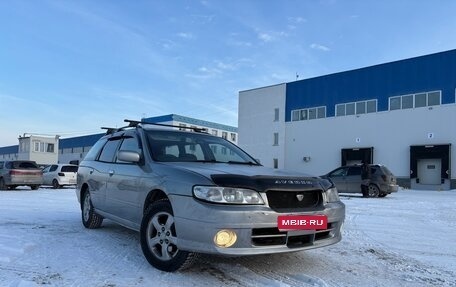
<point x="405" y="239"/>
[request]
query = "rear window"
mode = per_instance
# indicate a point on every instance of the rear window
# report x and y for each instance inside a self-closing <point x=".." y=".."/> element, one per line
<point x="23" y="165"/>
<point x="386" y="170"/>
<point x="69" y="168"/>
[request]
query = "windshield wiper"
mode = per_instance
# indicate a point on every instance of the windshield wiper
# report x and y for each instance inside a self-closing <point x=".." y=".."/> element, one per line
<point x="242" y="162"/>
<point x="207" y="160"/>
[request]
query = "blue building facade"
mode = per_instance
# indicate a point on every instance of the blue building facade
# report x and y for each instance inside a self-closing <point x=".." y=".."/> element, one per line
<point x="435" y="72"/>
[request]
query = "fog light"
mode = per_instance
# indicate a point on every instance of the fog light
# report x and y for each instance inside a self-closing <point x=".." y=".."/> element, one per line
<point x="225" y="238"/>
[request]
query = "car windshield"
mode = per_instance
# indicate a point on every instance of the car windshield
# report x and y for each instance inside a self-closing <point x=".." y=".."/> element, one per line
<point x="175" y="146"/>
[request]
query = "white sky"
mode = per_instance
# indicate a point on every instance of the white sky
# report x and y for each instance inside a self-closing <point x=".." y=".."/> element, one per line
<point x="70" y="67"/>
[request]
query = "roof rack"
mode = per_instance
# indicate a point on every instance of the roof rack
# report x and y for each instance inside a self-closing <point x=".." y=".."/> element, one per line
<point x="134" y="123"/>
<point x="111" y="130"/>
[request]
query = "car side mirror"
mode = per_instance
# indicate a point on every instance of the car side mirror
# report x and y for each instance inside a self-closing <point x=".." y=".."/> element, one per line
<point x="128" y="156"/>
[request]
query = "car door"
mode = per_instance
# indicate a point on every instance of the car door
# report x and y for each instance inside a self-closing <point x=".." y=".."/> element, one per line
<point x="353" y="179"/>
<point x="48" y="174"/>
<point x="124" y="185"/>
<point x="100" y="173"/>
<point x="338" y="177"/>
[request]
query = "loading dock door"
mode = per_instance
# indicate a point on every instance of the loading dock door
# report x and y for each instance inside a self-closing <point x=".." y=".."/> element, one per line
<point x="425" y="160"/>
<point x="429" y="170"/>
<point x="356" y="155"/>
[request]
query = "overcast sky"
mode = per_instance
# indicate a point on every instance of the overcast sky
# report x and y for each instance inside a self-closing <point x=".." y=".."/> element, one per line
<point x="70" y="67"/>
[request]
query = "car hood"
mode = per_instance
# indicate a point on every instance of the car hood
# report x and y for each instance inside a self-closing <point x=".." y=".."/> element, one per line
<point x="252" y="176"/>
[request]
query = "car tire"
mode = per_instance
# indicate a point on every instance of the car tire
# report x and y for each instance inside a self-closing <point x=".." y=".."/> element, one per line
<point x="90" y="219"/>
<point x="55" y="184"/>
<point x="2" y="184"/>
<point x="159" y="238"/>
<point x="34" y="187"/>
<point x="373" y="190"/>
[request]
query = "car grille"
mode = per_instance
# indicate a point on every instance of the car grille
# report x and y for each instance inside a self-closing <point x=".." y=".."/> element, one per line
<point x="289" y="201"/>
<point x="273" y="237"/>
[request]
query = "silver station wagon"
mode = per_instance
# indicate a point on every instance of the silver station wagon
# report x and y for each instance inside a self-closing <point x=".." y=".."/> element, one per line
<point x="188" y="192"/>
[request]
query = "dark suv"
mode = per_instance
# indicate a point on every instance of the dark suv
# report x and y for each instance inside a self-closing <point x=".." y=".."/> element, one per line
<point x="348" y="180"/>
<point x="20" y="172"/>
<point x="191" y="192"/>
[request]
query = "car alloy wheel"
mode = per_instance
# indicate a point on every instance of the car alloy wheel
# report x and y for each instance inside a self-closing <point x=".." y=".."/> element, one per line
<point x="373" y="190"/>
<point x="90" y="219"/>
<point x="159" y="239"/>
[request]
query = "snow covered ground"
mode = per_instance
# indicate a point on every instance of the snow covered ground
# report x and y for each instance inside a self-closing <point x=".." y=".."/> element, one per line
<point x="406" y="239"/>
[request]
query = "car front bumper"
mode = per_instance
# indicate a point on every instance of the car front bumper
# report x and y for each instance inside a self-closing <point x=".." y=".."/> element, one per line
<point x="255" y="226"/>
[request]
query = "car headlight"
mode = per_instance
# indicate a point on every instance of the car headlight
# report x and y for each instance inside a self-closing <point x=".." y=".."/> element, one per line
<point x="332" y="195"/>
<point x="228" y="195"/>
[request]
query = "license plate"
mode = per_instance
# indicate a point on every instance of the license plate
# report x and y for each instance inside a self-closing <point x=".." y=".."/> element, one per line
<point x="299" y="222"/>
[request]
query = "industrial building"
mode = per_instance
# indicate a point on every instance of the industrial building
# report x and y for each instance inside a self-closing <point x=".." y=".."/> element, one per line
<point x="400" y="114"/>
<point x="50" y="150"/>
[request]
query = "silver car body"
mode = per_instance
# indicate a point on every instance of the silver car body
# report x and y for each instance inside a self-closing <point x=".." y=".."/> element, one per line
<point x="122" y="191"/>
<point x="20" y="172"/>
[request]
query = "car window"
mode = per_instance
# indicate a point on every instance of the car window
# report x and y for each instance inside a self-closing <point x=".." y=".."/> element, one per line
<point x="224" y="153"/>
<point x="25" y="164"/>
<point x="184" y="146"/>
<point x="354" y="170"/>
<point x="95" y="150"/>
<point x="109" y="150"/>
<point x="130" y="144"/>
<point x="53" y="168"/>
<point x="338" y="172"/>
<point x="69" y="168"/>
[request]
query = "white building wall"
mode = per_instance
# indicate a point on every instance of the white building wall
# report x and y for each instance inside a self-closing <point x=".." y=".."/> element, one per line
<point x="256" y="124"/>
<point x="391" y="133"/>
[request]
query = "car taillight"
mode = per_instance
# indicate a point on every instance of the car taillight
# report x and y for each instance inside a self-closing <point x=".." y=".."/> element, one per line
<point x="384" y="177"/>
<point x="61" y="174"/>
<point x="20" y="172"/>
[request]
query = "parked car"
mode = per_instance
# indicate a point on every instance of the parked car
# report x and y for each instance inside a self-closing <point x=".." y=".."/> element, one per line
<point x="188" y="192"/>
<point x="20" y="172"/>
<point x="348" y="180"/>
<point x="59" y="175"/>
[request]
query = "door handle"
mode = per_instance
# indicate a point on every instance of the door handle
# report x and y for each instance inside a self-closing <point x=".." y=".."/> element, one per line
<point x="111" y="172"/>
<point x="91" y="171"/>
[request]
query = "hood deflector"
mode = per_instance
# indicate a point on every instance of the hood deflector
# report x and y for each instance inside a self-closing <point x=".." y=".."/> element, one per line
<point x="265" y="183"/>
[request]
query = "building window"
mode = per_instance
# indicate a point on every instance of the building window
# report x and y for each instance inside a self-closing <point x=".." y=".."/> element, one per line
<point x="356" y="108"/>
<point x="371" y="106"/>
<point x="214" y="132"/>
<point x="340" y="110"/>
<point x="417" y="100"/>
<point x="276" y="114"/>
<point x="350" y="109"/>
<point x="308" y="114"/>
<point x="433" y="99"/>
<point x="224" y="135"/>
<point x="50" y="147"/>
<point x="420" y="100"/>
<point x="407" y="102"/>
<point x="276" y="139"/>
<point x="233" y="137"/>
<point x="276" y="162"/>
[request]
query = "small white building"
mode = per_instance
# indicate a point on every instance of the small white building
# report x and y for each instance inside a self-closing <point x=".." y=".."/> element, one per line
<point x="399" y="114"/>
<point x="41" y="149"/>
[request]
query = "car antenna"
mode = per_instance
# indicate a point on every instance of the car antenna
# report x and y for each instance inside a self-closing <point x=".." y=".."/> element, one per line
<point x="134" y="123"/>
